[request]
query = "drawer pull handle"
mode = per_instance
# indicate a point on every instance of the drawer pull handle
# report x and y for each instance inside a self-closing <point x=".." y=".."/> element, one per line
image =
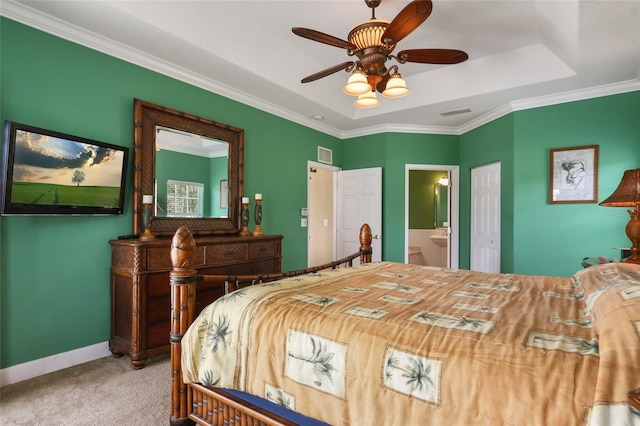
<point x="228" y="253"/>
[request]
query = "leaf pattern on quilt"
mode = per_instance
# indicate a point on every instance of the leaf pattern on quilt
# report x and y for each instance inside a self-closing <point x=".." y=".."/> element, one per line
<point x="277" y="396"/>
<point x="463" y="321"/>
<point x="428" y="316"/>
<point x="563" y="296"/>
<point x="460" y="322"/>
<point x="417" y="374"/>
<point x="396" y="287"/>
<point x="565" y="343"/>
<point x="366" y="312"/>
<point x="316" y="299"/>
<point x="586" y="323"/>
<point x="208" y="380"/>
<point x="230" y="297"/>
<point x="216" y="333"/>
<point x="320" y="360"/>
<point x="412" y="375"/>
<point x="635" y="413"/>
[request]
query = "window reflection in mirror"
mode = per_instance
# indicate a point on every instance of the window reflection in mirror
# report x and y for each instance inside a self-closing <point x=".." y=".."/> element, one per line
<point x="189" y="172"/>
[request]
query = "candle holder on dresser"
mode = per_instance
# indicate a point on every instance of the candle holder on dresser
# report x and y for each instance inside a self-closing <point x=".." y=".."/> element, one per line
<point x="257" y="216"/>
<point x="147" y="217"/>
<point x="245" y="217"/>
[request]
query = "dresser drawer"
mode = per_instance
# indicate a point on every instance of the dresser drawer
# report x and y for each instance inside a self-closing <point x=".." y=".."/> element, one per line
<point x="159" y="258"/>
<point x="254" y="268"/>
<point x="225" y="253"/>
<point x="262" y="250"/>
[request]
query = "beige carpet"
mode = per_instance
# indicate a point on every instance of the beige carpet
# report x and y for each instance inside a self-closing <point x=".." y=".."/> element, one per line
<point x="106" y="391"/>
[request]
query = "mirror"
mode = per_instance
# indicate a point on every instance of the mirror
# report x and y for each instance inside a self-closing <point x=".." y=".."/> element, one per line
<point x="192" y="173"/>
<point x="154" y="125"/>
<point x="441" y="202"/>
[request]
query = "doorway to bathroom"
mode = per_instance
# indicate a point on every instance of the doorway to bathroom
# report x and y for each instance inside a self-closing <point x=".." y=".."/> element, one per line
<point x="431" y="215"/>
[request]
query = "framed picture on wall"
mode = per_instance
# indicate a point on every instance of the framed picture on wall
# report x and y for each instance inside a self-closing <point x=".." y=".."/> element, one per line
<point x="573" y="176"/>
<point x="224" y="194"/>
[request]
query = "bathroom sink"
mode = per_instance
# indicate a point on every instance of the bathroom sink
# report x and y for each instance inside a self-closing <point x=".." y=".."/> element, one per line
<point x="439" y="239"/>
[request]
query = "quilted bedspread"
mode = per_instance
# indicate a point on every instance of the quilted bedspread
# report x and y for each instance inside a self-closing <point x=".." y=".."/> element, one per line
<point x="396" y="344"/>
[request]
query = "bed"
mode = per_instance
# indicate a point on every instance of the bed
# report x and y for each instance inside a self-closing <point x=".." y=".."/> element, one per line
<point x="395" y="344"/>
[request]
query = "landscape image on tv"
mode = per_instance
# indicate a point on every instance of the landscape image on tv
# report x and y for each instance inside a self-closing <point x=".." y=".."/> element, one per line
<point x="55" y="171"/>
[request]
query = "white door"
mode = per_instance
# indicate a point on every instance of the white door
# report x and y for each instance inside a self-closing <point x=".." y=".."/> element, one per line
<point x="485" y="218"/>
<point x="359" y="201"/>
<point x="321" y="199"/>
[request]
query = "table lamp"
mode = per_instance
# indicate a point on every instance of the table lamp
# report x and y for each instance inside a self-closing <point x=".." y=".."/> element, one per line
<point x="627" y="194"/>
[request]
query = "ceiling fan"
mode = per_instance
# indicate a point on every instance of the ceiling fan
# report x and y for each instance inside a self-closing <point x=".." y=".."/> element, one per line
<point x="372" y="42"/>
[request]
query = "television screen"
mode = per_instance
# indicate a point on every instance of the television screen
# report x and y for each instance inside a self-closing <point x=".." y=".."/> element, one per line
<point x="50" y="173"/>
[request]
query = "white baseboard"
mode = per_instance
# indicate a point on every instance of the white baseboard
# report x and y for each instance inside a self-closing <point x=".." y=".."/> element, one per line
<point x="38" y="367"/>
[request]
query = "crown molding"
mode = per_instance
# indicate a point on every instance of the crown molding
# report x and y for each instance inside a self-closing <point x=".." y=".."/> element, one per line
<point x="555" y="99"/>
<point x="399" y="128"/>
<point x="35" y="19"/>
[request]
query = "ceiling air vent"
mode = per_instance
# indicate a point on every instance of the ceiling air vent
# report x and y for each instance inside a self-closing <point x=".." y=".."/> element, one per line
<point x="455" y="112"/>
<point x="325" y="155"/>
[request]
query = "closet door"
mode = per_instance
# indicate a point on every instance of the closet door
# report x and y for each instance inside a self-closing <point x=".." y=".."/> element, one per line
<point x="485" y="218"/>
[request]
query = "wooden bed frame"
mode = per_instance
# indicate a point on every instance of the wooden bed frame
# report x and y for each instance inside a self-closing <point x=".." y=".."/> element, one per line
<point x="197" y="404"/>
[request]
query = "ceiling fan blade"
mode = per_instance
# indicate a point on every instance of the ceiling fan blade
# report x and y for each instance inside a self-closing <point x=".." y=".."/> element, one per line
<point x="409" y="18"/>
<point x="433" y="56"/>
<point x="344" y="66"/>
<point x="322" y="38"/>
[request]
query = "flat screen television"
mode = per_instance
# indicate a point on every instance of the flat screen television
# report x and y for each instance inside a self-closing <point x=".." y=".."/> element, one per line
<point x="50" y="173"/>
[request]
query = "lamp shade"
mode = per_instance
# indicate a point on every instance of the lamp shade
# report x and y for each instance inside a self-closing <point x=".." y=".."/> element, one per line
<point x="367" y="100"/>
<point x="357" y="84"/>
<point x="627" y="194"/>
<point x="396" y="87"/>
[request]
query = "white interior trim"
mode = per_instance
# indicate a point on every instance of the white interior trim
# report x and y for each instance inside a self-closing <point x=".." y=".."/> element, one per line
<point x="38" y="367"/>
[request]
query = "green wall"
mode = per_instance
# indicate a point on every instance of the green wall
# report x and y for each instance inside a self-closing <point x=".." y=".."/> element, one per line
<point x="392" y="151"/>
<point x="565" y="233"/>
<point x="493" y="142"/>
<point x="538" y="237"/>
<point x="54" y="292"/>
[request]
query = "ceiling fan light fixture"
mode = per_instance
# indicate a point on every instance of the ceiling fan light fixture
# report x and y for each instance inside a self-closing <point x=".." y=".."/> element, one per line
<point x="396" y="87"/>
<point x="367" y="100"/>
<point x="368" y="33"/>
<point x="357" y="84"/>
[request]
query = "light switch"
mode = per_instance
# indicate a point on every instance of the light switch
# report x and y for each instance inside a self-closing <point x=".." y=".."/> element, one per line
<point x="326" y="222"/>
<point x="303" y="222"/>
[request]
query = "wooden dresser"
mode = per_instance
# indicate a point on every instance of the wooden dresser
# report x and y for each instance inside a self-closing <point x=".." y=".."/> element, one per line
<point x="140" y="301"/>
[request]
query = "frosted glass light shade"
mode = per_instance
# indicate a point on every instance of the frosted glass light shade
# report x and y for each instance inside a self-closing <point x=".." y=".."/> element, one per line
<point x="396" y="87"/>
<point x="367" y="100"/>
<point x="357" y="84"/>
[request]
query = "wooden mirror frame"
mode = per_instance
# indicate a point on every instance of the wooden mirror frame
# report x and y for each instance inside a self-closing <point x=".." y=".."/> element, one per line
<point x="147" y="116"/>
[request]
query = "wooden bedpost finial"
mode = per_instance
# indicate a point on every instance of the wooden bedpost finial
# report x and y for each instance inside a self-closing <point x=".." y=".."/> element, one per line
<point x="365" y="243"/>
<point x="183" y="249"/>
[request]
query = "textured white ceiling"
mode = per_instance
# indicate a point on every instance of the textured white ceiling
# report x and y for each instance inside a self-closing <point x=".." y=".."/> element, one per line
<point x="522" y="54"/>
